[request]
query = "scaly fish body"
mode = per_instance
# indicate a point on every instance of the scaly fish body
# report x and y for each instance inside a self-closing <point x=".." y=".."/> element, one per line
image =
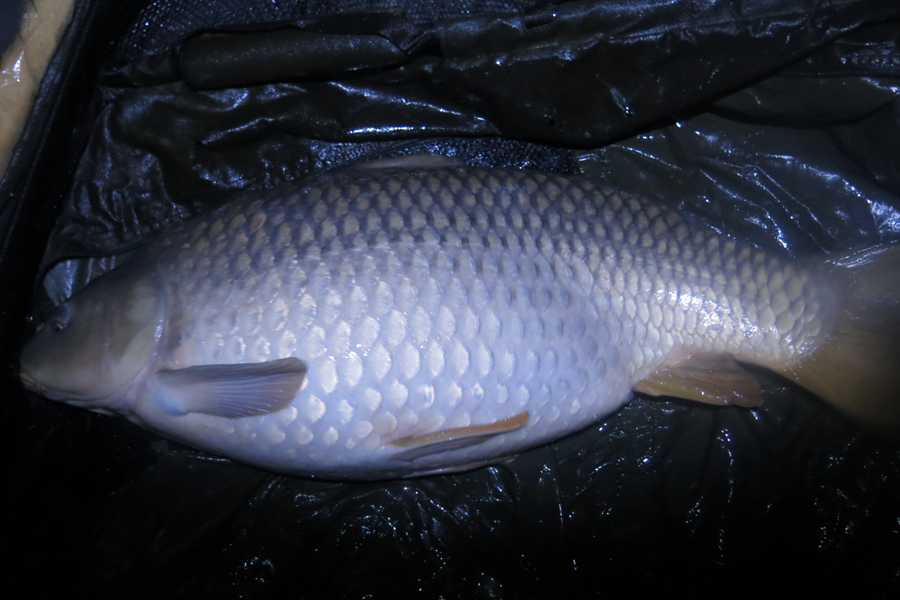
<point x="395" y="322"/>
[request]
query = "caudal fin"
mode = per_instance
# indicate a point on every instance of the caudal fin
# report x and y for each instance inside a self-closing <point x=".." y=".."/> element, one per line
<point x="858" y="369"/>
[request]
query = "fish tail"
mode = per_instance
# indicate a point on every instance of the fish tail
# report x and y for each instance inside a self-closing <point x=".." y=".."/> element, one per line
<point x="857" y="370"/>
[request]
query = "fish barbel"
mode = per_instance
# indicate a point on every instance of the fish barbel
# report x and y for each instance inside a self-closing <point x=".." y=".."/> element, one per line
<point x="390" y="321"/>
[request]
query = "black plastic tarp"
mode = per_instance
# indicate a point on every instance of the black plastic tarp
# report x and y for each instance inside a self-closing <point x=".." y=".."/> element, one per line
<point x="778" y="122"/>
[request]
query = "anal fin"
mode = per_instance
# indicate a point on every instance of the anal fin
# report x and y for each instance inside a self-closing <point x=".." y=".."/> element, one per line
<point x="704" y="377"/>
<point x="470" y="466"/>
<point x="445" y="440"/>
<point x="229" y="391"/>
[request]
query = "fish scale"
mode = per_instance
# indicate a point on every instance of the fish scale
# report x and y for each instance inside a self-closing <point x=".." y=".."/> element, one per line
<point x="449" y="317"/>
<point x="573" y="305"/>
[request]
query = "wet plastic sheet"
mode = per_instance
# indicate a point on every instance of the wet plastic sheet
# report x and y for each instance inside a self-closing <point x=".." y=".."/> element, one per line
<point x="28" y="39"/>
<point x="777" y="122"/>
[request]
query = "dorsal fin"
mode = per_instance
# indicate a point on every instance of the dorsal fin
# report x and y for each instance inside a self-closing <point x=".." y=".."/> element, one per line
<point x="411" y="161"/>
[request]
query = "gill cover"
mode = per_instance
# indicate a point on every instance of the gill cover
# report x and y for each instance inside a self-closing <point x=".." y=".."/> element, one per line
<point x="94" y="346"/>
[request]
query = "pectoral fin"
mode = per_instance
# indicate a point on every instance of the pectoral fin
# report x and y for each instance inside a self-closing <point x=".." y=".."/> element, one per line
<point x="453" y="438"/>
<point x="708" y="378"/>
<point x="229" y="391"/>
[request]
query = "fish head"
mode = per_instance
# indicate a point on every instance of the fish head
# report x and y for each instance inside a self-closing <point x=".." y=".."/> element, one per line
<point x="93" y="348"/>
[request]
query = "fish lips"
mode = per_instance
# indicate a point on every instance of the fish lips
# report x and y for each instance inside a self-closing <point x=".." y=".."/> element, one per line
<point x="30" y="382"/>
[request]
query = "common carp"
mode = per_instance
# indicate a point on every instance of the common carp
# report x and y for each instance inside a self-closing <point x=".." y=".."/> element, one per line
<point x="399" y="320"/>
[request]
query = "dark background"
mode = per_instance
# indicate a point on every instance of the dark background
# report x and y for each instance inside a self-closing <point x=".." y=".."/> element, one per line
<point x="775" y="121"/>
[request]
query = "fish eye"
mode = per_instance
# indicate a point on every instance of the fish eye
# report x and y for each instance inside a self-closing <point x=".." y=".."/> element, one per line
<point x="58" y="320"/>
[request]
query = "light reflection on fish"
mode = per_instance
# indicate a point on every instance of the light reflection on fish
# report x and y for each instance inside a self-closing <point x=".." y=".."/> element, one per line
<point x="400" y="320"/>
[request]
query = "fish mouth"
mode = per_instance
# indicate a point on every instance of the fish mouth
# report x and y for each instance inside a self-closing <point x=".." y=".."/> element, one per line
<point x="30" y="382"/>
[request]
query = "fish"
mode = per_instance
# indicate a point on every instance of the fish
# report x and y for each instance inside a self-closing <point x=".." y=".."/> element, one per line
<point x="416" y="317"/>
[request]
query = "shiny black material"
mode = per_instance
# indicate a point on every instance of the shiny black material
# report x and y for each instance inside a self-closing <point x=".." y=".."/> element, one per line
<point x="776" y="121"/>
<point x="10" y="17"/>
